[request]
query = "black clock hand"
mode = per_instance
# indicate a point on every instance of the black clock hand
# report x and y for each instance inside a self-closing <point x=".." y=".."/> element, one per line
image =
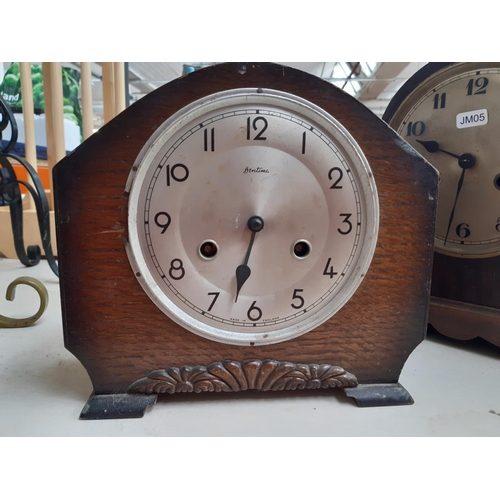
<point x="452" y="215"/>
<point x="465" y="161"/>
<point x="433" y="147"/>
<point x="255" y="224"/>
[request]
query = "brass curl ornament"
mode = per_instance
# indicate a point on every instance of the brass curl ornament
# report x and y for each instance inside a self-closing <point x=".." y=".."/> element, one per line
<point x="6" y="322"/>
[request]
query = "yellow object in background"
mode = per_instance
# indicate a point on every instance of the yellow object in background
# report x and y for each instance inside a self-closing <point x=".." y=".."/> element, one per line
<point x="6" y="322"/>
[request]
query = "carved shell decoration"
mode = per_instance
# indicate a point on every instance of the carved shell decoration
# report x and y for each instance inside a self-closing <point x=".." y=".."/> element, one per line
<point x="234" y="376"/>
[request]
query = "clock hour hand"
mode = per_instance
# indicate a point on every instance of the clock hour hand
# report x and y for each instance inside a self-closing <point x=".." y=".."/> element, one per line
<point x="255" y="224"/>
<point x="465" y="161"/>
<point x="433" y="147"/>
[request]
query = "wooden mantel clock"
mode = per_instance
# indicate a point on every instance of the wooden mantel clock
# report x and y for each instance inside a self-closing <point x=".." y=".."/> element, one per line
<point x="450" y="113"/>
<point x="247" y="226"/>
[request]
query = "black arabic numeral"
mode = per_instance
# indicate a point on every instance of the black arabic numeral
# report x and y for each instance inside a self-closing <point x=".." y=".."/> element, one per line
<point x="463" y="230"/>
<point x="216" y="296"/>
<point x="253" y="307"/>
<point x="481" y="83"/>
<point x="497" y="227"/>
<point x="176" y="266"/>
<point x="163" y="220"/>
<point x="340" y="175"/>
<point x="440" y="101"/>
<point x="259" y="136"/>
<point x="297" y="296"/>
<point x="346" y="221"/>
<point x="178" y="173"/>
<point x="304" y="143"/>
<point x="417" y="128"/>
<point x="329" y="269"/>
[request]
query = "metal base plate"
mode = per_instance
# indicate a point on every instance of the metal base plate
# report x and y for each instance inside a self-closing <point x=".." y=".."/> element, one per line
<point x="119" y="405"/>
<point x="367" y="395"/>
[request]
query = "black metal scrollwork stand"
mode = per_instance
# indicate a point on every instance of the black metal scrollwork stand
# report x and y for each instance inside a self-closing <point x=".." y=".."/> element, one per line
<point x="10" y="195"/>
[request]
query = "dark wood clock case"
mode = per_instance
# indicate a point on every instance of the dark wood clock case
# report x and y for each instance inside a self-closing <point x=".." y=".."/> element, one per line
<point x="133" y="352"/>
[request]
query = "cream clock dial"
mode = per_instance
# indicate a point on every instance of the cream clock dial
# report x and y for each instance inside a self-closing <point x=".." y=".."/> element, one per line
<point x="253" y="217"/>
<point x="452" y="119"/>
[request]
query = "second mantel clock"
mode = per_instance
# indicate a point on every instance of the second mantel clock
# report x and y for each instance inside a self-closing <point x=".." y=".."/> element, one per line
<point x="450" y="113"/>
<point x="244" y="228"/>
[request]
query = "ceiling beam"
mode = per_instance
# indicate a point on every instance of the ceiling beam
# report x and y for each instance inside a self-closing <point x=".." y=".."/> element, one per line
<point x="385" y="73"/>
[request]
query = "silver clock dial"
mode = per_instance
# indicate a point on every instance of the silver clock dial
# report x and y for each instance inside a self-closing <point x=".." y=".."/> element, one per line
<point x="232" y="160"/>
<point x="453" y="119"/>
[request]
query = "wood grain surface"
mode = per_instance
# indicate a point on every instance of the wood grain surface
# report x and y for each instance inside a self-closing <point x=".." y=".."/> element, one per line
<point x="119" y="335"/>
<point x="465" y="321"/>
<point x="466" y="298"/>
<point x="467" y="280"/>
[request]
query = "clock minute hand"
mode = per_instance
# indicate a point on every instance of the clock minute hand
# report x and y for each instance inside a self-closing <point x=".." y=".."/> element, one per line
<point x="452" y="214"/>
<point x="255" y="224"/>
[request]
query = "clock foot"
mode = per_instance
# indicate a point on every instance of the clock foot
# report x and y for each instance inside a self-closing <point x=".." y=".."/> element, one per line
<point x="379" y="395"/>
<point x="118" y="405"/>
